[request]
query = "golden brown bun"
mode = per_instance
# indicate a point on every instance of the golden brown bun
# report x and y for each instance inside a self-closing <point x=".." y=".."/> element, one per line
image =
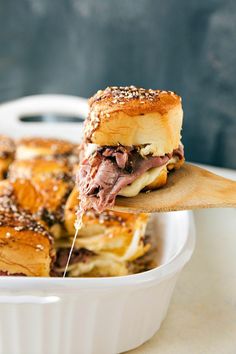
<point x="175" y="165"/>
<point x="159" y="182"/>
<point x="29" y="148"/>
<point x="97" y="222"/>
<point x="71" y="208"/>
<point x="132" y="116"/>
<point x="25" y="245"/>
<point x="46" y="207"/>
<point x="41" y="187"/>
<point x="7" y="152"/>
<point x="31" y="198"/>
<point x="37" y="168"/>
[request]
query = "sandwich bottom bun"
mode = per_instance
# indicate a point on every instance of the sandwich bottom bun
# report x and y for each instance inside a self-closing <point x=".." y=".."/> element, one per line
<point x="151" y="179"/>
<point x="160" y="181"/>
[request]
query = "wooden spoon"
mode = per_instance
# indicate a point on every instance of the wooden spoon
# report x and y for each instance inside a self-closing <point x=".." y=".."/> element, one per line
<point x="190" y="187"/>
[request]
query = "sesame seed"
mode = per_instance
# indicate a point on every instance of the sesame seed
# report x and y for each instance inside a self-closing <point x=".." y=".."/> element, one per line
<point x="126" y="93"/>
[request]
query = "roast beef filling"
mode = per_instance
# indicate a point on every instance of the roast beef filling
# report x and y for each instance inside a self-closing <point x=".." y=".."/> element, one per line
<point x="109" y="169"/>
<point x="81" y="255"/>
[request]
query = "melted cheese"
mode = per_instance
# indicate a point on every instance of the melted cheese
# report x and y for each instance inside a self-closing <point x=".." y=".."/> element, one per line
<point x="147" y="178"/>
<point x="121" y="247"/>
<point x="101" y="265"/>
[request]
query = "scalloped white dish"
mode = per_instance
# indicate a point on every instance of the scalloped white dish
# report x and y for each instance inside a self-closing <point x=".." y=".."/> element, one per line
<point x="95" y="315"/>
<point x="87" y="315"/>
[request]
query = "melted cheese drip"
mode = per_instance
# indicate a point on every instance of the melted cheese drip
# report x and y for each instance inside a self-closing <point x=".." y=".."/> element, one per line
<point x="71" y="251"/>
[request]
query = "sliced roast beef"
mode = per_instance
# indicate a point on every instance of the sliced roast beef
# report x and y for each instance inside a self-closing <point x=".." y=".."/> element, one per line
<point x="102" y="176"/>
<point x="121" y="155"/>
<point x="78" y="255"/>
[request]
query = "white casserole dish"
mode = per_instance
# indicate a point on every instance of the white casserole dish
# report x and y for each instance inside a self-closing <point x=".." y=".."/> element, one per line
<point x="93" y="315"/>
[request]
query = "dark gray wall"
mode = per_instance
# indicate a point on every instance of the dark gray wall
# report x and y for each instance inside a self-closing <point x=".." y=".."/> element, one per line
<point x="79" y="46"/>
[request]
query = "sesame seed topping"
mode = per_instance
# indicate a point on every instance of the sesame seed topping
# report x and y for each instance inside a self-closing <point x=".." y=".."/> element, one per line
<point x="17" y="219"/>
<point x="122" y="94"/>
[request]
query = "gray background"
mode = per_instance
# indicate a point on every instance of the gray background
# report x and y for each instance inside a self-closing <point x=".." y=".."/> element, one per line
<point x="79" y="46"/>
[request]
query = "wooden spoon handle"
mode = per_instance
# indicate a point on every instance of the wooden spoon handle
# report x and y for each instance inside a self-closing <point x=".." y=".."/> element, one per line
<point x="190" y="187"/>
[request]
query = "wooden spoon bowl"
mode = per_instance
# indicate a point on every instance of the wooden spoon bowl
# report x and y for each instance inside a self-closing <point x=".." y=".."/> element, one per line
<point x="190" y="187"/>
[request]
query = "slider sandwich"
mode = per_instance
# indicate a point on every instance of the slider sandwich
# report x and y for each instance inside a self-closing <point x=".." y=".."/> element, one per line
<point x="132" y="139"/>
<point x="26" y="246"/>
<point x="49" y="149"/>
<point x="41" y="187"/>
<point x="108" y="244"/>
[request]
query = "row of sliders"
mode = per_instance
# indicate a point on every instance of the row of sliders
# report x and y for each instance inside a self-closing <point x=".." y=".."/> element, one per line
<point x="38" y="204"/>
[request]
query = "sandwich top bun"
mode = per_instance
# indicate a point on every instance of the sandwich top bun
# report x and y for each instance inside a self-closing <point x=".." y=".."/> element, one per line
<point x="29" y="148"/>
<point x="38" y="169"/>
<point x="135" y="116"/>
<point x="41" y="187"/>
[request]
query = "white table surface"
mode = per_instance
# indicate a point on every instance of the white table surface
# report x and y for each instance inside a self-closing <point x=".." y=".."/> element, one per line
<point x="202" y="314"/>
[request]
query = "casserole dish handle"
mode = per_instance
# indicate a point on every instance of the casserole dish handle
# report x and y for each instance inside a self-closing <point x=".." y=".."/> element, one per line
<point x="43" y="115"/>
<point x="45" y="104"/>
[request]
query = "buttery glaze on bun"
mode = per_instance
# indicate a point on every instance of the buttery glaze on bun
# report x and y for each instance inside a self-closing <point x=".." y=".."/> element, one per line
<point x="46" y="208"/>
<point x="41" y="187"/>
<point x="25" y="245"/>
<point x="7" y="152"/>
<point x="51" y="179"/>
<point x="29" y="148"/>
<point x="38" y="168"/>
<point x="133" y="116"/>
